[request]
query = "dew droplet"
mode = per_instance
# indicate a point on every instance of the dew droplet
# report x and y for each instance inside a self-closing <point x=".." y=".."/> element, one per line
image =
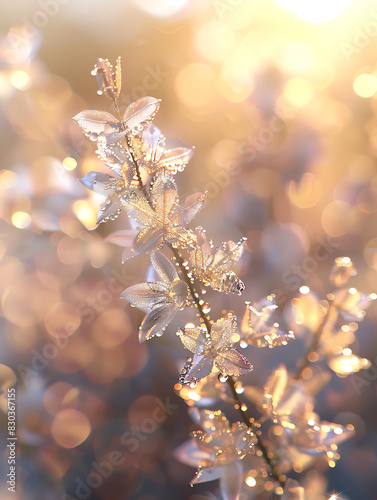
<point x="223" y="377"/>
<point x="206" y="308"/>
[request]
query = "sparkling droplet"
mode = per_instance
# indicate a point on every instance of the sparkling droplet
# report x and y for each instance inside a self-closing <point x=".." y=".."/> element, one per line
<point x="206" y="308"/>
<point x="223" y="377"/>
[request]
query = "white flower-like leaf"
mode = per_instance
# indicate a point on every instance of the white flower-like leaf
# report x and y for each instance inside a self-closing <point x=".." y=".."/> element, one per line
<point x="214" y="349"/>
<point x="160" y="299"/>
<point x="256" y="328"/>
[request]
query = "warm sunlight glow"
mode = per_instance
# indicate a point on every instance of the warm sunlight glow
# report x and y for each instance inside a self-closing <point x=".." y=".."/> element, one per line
<point x="315" y="11"/>
<point x="365" y="85"/>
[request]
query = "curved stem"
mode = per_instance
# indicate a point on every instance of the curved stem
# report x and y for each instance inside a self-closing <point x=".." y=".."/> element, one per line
<point x="274" y="470"/>
<point x="189" y="283"/>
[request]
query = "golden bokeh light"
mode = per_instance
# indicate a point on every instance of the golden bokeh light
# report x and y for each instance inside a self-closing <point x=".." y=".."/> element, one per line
<point x="196" y="85"/>
<point x="70" y="428"/>
<point x="69" y="163"/>
<point x="85" y="213"/>
<point x="215" y="40"/>
<point x="21" y="219"/>
<point x="62" y="320"/>
<point x="365" y="85"/>
<point x="20" y="80"/>
<point x="298" y="92"/>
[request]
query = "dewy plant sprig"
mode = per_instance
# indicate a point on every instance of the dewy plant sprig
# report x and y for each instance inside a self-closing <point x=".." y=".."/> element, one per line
<point x="184" y="261"/>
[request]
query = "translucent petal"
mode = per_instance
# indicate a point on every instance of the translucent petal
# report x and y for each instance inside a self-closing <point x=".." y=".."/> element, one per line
<point x="141" y="111"/>
<point x="212" y="265"/>
<point x="231" y="362"/>
<point x="128" y="254"/>
<point x="256" y="316"/>
<point x="192" y="206"/>
<point x="241" y="437"/>
<point x="175" y="159"/>
<point x="146" y="295"/>
<point x="156" y="321"/>
<point x="99" y="182"/>
<point x="223" y="331"/>
<point x="194" y="339"/>
<point x="164" y="198"/>
<point x="307" y="310"/>
<point x="200" y="369"/>
<point x="164" y="267"/>
<point x="109" y="84"/>
<point x="152" y="138"/>
<point x="110" y="209"/>
<point x="179" y="293"/>
<point x="190" y="454"/>
<point x="208" y="474"/>
<point x="95" y="123"/>
<point x="147" y="148"/>
<point x="231" y="481"/>
<point x="275" y="387"/>
<point x="147" y="240"/>
<point x="118" y="159"/>
<point x="351" y="303"/>
<point x="122" y="238"/>
<point x="229" y="254"/>
<point x="139" y="209"/>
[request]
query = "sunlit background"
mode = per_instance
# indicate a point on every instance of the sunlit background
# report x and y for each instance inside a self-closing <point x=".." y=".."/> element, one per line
<point x="279" y="99"/>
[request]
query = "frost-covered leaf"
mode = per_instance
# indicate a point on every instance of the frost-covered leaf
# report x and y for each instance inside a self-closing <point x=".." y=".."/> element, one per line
<point x="256" y="328"/>
<point x="163" y="216"/>
<point x="148" y="147"/>
<point x="215" y="347"/>
<point x="161" y="299"/>
<point x="99" y="182"/>
<point x="109" y="81"/>
<point x="213" y="266"/>
<point x="141" y="111"/>
<point x="95" y="123"/>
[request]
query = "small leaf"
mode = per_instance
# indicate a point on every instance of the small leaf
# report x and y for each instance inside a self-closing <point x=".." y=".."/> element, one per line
<point x="145" y="296"/>
<point x="99" y="182"/>
<point x="231" y="362"/>
<point x="141" y="111"/>
<point x="122" y="238"/>
<point x="156" y="321"/>
<point x="106" y="79"/>
<point x="165" y="269"/>
<point x="95" y="123"/>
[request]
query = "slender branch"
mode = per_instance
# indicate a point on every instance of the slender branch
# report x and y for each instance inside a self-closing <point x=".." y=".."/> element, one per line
<point x="274" y="470"/>
<point x="115" y="102"/>
<point x="315" y="341"/>
<point x="189" y="283"/>
<point x="206" y="320"/>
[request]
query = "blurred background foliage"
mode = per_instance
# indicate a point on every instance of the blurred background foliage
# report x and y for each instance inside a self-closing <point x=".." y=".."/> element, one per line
<point x="279" y="100"/>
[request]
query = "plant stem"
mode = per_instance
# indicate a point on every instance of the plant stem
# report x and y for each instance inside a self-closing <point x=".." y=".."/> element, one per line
<point x="274" y="471"/>
<point x="189" y="283"/>
<point x="315" y="341"/>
